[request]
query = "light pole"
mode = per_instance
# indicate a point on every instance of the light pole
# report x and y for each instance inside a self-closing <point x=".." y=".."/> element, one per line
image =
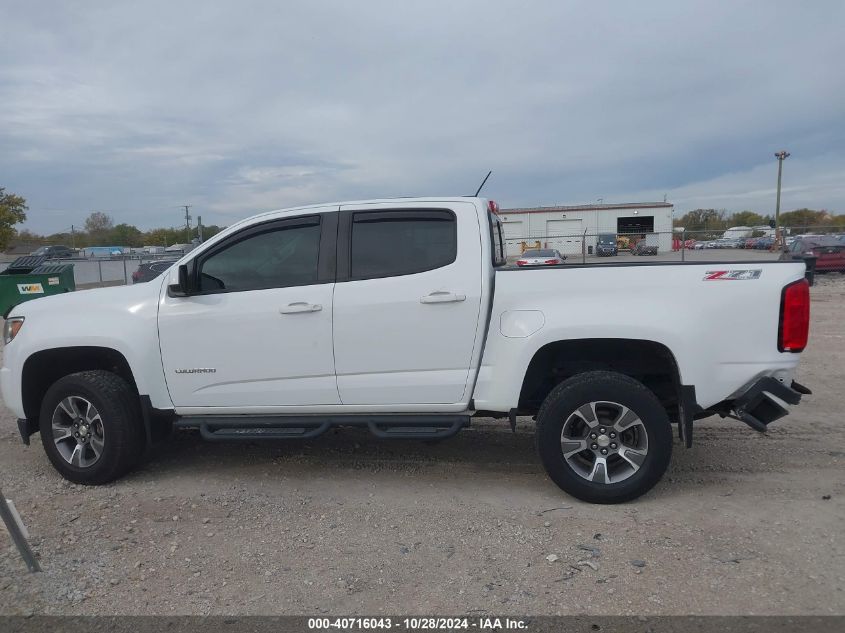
<point x="781" y="156"/>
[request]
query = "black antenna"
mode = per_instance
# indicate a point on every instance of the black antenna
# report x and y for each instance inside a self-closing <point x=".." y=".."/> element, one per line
<point x="481" y="186"/>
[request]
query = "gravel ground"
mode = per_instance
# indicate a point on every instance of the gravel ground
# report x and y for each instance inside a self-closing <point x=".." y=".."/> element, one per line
<point x="742" y="524"/>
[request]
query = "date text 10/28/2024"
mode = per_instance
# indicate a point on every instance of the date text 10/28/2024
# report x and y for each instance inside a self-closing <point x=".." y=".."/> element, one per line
<point x="416" y="623"/>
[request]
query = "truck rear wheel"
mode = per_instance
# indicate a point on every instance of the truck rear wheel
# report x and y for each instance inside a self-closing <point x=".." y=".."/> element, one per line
<point x="604" y="437"/>
<point x="91" y="427"/>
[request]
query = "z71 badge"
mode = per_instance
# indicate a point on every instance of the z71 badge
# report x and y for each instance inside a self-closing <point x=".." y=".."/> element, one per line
<point x="732" y="275"/>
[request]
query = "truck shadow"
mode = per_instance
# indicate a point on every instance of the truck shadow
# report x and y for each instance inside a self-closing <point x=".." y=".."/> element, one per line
<point x="722" y="454"/>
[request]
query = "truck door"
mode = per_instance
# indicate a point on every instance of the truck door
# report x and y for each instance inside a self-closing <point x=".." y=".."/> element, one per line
<point x="258" y="330"/>
<point x="407" y="302"/>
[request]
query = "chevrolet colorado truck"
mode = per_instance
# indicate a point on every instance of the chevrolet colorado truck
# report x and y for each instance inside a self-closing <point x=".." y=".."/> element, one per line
<point x="402" y="316"/>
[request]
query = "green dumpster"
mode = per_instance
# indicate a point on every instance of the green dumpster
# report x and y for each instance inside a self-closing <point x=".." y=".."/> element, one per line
<point x="32" y="277"/>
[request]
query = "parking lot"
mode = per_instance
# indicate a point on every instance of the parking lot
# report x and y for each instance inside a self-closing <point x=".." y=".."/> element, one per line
<point x="688" y="255"/>
<point x="742" y="524"/>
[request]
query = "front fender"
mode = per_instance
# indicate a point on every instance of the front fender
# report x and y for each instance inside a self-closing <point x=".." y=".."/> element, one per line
<point x="123" y="319"/>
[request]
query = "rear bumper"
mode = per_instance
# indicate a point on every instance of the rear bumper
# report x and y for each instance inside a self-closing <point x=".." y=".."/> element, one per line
<point x="763" y="402"/>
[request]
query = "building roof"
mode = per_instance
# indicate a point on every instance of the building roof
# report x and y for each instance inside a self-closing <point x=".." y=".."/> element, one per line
<point x="590" y="207"/>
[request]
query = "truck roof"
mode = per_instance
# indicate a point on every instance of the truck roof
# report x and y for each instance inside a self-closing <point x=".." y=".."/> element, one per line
<point x="425" y="199"/>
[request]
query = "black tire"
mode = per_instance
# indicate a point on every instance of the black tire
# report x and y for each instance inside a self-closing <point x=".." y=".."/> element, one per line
<point x="603" y="386"/>
<point x="120" y="424"/>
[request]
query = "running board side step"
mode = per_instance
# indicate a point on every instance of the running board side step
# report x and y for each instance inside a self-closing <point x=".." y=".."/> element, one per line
<point x="220" y="428"/>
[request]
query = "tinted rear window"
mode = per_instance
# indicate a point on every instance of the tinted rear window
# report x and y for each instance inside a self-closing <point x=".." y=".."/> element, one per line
<point x="542" y="253"/>
<point x="393" y="243"/>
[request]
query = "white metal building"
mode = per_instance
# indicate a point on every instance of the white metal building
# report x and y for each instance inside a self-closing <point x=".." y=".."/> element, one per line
<point x="564" y="227"/>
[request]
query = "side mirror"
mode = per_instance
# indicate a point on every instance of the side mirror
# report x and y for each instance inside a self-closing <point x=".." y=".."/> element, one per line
<point x="182" y="287"/>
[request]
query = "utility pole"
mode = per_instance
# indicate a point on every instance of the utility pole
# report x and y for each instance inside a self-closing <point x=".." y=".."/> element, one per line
<point x="199" y="228"/>
<point x="781" y="156"/>
<point x="72" y="237"/>
<point x="187" y="217"/>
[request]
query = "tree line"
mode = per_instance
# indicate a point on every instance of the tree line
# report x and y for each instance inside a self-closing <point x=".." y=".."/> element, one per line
<point x="100" y="230"/>
<point x="800" y="220"/>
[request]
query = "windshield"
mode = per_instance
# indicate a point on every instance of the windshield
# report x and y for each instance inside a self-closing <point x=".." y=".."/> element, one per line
<point x="539" y="253"/>
<point x="607" y="239"/>
<point x="817" y="242"/>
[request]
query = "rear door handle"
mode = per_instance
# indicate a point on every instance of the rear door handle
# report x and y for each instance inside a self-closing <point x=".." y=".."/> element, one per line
<point x="442" y="297"/>
<point x="300" y="306"/>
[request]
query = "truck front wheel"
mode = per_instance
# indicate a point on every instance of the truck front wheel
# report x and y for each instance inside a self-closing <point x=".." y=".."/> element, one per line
<point x="91" y="427"/>
<point x="604" y="437"/>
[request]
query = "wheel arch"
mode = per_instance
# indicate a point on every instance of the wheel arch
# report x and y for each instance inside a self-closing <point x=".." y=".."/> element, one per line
<point x="43" y="368"/>
<point x="648" y="361"/>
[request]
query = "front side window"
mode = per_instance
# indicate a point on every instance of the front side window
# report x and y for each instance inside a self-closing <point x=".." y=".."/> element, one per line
<point x="392" y="243"/>
<point x="276" y="258"/>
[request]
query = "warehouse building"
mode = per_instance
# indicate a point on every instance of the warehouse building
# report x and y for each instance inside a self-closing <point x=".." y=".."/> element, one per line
<point x="565" y="227"/>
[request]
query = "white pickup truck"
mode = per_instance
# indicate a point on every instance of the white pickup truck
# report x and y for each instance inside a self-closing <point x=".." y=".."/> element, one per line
<point x="402" y="316"/>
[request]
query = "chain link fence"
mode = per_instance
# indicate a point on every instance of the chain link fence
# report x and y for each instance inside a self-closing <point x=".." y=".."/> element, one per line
<point x="820" y="247"/>
<point x="109" y="271"/>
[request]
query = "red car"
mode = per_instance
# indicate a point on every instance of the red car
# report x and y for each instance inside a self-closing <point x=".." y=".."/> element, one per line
<point x="541" y="257"/>
<point x="828" y="251"/>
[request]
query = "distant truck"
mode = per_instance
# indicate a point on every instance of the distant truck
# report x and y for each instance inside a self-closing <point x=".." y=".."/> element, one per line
<point x="105" y="251"/>
<point x="606" y="245"/>
<point x="736" y="232"/>
<point x="403" y="317"/>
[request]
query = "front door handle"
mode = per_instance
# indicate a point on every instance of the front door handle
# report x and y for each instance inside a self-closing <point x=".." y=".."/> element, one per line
<point x="300" y="306"/>
<point x="441" y="296"/>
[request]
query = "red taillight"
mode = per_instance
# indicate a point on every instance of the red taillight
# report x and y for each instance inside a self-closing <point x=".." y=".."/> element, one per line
<point x="552" y="261"/>
<point x="493" y="206"/>
<point x="794" y="317"/>
<point x="136" y="275"/>
<point x="521" y="262"/>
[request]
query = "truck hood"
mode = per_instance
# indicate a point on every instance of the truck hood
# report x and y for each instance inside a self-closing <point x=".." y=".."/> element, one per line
<point x="93" y="301"/>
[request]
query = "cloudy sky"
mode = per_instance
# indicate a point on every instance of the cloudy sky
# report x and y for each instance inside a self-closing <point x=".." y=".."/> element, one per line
<point x="135" y="108"/>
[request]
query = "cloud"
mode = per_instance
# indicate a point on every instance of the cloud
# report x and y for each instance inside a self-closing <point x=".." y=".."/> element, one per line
<point x="811" y="183"/>
<point x="238" y="108"/>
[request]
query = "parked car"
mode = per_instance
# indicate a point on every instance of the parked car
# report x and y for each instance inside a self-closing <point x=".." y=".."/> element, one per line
<point x="606" y="245"/>
<point x="750" y="242"/>
<point x="701" y="245"/>
<point x="55" y="252"/>
<point x="828" y="251"/>
<point x="263" y="332"/>
<point x="541" y="257"/>
<point x="151" y="270"/>
<point x="644" y="248"/>
<point x="764" y="243"/>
